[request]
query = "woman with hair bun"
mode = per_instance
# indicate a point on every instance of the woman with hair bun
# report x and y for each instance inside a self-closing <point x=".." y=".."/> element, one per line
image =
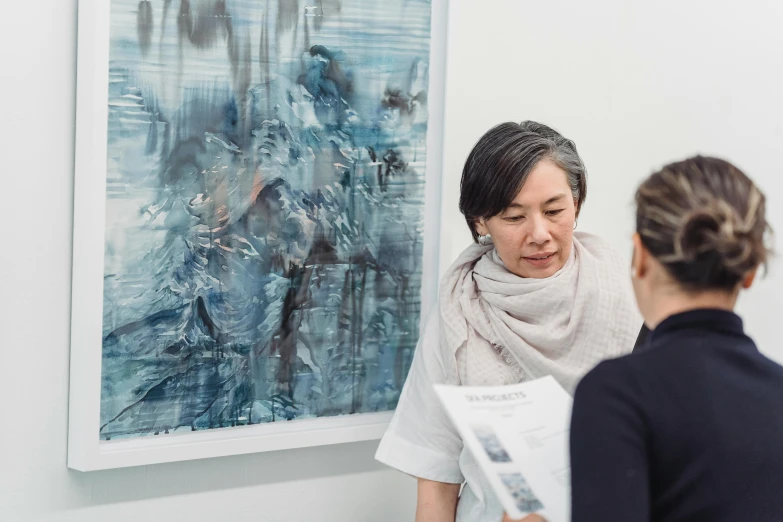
<point x="691" y="427"/>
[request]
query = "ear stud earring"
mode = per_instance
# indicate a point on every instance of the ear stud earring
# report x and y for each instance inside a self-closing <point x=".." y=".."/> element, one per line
<point x="485" y="240"/>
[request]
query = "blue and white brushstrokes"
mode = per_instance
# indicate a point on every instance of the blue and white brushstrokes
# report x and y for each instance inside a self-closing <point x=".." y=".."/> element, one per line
<point x="264" y="210"/>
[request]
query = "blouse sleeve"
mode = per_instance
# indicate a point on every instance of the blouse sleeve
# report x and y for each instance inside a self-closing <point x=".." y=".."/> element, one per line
<point x="609" y="468"/>
<point x="421" y="440"/>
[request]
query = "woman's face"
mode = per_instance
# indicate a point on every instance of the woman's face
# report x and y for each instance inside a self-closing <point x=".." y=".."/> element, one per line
<point x="534" y="235"/>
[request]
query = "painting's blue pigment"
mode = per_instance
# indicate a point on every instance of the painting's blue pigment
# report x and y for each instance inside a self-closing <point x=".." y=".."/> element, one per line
<point x="264" y="210"/>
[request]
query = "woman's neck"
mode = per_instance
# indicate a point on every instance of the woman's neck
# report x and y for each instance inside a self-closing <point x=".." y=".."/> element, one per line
<point x="678" y="301"/>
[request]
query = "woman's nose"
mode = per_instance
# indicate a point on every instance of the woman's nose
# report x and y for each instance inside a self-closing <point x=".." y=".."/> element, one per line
<point x="540" y="231"/>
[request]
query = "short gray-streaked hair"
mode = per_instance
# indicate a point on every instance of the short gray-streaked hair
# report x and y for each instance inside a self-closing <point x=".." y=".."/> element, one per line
<point x="501" y="161"/>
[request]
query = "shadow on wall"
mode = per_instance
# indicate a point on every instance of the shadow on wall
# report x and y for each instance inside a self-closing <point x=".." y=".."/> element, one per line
<point x="199" y="476"/>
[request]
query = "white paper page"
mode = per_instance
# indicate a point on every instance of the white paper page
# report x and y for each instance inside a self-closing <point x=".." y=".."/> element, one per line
<point x="519" y="436"/>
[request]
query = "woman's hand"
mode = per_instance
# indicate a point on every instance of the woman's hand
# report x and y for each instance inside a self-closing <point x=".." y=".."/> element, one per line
<point x="529" y="518"/>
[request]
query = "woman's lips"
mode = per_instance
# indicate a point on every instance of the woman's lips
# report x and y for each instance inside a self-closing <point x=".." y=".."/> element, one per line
<point x="540" y="260"/>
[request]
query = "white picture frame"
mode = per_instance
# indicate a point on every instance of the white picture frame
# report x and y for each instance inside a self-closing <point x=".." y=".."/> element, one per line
<point x="86" y="452"/>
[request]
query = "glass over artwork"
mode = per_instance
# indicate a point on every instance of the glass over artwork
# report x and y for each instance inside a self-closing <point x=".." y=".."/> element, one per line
<point x="264" y="210"/>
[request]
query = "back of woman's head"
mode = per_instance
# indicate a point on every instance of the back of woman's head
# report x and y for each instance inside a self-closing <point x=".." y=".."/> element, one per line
<point x="705" y="221"/>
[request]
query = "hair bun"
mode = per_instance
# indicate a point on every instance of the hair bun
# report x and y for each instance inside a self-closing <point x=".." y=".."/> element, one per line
<point x="705" y="221"/>
<point x="716" y="233"/>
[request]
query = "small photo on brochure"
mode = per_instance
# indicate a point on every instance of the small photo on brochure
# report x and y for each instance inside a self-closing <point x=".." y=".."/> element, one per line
<point x="524" y="498"/>
<point x="491" y="443"/>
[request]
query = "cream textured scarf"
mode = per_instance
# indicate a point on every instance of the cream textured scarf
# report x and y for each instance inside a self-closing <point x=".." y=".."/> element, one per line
<point x="499" y="328"/>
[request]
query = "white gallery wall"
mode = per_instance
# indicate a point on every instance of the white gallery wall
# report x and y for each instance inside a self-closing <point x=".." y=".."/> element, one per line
<point x="634" y="85"/>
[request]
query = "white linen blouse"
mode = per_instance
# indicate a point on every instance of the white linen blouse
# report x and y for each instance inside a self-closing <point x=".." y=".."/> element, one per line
<point x="421" y="440"/>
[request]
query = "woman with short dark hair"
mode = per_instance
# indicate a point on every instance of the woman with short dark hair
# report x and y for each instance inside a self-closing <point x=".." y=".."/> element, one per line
<point x="530" y="298"/>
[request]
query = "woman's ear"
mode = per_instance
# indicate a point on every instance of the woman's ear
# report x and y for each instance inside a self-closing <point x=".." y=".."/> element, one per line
<point x="747" y="281"/>
<point x="481" y="227"/>
<point x="639" y="265"/>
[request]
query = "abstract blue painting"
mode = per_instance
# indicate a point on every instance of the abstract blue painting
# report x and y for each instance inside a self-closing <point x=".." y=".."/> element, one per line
<point x="264" y="210"/>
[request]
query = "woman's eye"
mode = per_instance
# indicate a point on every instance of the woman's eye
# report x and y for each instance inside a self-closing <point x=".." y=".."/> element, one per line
<point x="514" y="219"/>
<point x="554" y="212"/>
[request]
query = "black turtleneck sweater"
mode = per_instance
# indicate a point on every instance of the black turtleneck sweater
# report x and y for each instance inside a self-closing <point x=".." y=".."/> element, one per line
<point x="689" y="428"/>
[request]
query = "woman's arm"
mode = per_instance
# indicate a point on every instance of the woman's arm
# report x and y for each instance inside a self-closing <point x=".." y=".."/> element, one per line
<point x="421" y="440"/>
<point x="437" y="501"/>
<point x="529" y="518"/>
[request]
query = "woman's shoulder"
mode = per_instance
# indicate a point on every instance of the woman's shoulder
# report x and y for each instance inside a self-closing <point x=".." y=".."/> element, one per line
<point x="593" y="241"/>
<point x="429" y="332"/>
<point x="611" y="376"/>
<point x="603" y="251"/>
<point x="631" y="373"/>
<point x="430" y="320"/>
<point x="466" y="258"/>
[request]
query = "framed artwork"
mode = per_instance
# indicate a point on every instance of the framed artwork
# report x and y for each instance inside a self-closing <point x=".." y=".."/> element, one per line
<point x="256" y="222"/>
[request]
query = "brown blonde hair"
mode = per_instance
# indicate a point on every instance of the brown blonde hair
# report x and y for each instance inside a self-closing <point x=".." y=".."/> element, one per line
<point x="705" y="221"/>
